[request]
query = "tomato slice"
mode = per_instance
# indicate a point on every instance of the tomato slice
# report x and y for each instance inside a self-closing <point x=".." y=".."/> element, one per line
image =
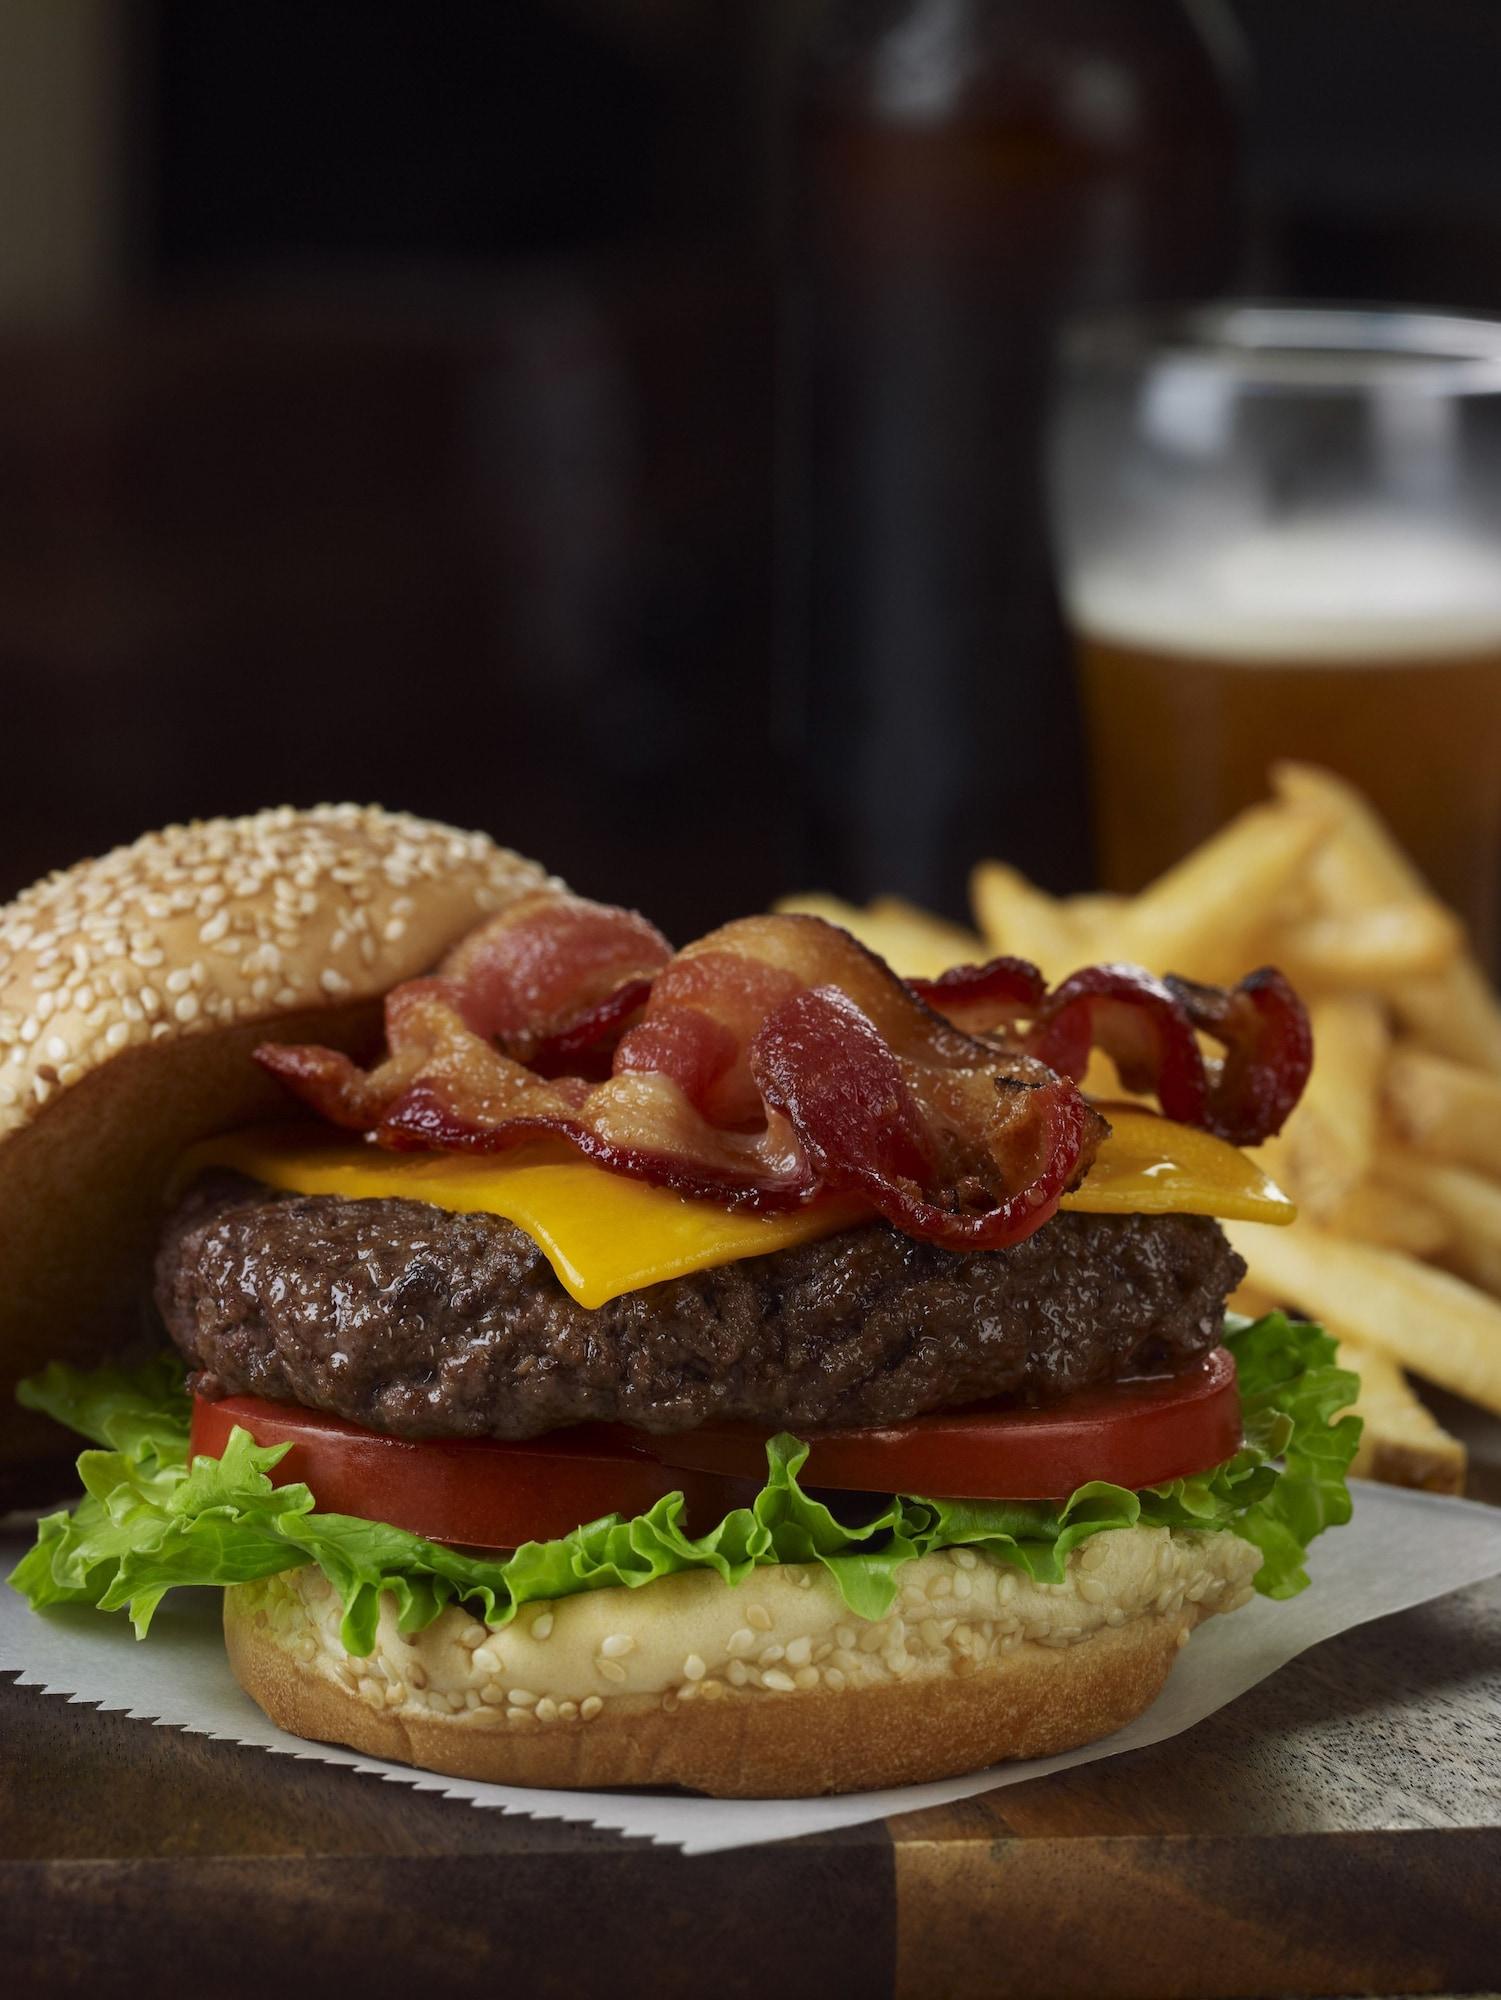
<point x="477" y="1491"/>
<point x="1133" y="1433"/>
<point x="486" y="1494"/>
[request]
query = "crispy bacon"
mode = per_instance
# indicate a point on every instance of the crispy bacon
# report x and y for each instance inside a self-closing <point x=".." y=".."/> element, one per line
<point x="776" y="1061"/>
<point x="554" y="975"/>
<point x="1139" y="1025"/>
<point x="984" y="997"/>
<point x="1150" y="1030"/>
<point x="1263" y="1028"/>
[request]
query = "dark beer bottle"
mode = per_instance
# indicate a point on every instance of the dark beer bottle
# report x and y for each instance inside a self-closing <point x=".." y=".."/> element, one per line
<point x="966" y="173"/>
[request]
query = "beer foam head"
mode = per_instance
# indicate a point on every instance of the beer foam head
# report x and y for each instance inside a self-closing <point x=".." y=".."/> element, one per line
<point x="1355" y="587"/>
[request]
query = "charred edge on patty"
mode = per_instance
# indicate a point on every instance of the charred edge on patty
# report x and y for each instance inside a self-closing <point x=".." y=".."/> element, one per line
<point x="418" y="1322"/>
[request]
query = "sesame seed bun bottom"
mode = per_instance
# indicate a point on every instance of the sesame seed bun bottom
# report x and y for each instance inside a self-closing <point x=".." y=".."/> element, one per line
<point x="769" y="1689"/>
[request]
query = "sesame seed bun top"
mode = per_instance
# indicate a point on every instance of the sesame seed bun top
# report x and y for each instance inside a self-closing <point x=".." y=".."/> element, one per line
<point x="229" y="920"/>
<point x="133" y="988"/>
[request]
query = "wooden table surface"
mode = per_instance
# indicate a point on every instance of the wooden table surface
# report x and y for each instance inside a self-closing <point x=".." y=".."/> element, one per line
<point x="1337" y="1830"/>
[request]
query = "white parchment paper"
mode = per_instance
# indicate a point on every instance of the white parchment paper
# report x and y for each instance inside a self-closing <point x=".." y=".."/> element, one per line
<point x="1401" y="1549"/>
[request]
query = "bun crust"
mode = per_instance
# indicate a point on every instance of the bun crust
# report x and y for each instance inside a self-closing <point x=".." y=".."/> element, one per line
<point x="770" y="1689"/>
<point x="133" y="988"/>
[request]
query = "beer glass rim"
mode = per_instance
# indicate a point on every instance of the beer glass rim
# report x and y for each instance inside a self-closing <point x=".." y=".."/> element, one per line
<point x="1294" y="346"/>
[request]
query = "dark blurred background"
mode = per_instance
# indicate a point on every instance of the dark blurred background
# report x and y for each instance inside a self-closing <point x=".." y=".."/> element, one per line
<point x="613" y="422"/>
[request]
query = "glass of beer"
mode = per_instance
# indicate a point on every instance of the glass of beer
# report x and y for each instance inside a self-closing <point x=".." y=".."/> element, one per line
<point x="1278" y="532"/>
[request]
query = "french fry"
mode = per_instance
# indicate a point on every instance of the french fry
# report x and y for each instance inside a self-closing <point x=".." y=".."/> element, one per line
<point x="1375" y="1213"/>
<point x="1019" y="918"/>
<point x="1192" y="921"/>
<point x="1360" y="866"/>
<point x="1445" y="1109"/>
<point x="1425" y="1319"/>
<point x="1246" y="1299"/>
<point x="1331" y="1137"/>
<point x="1452" y="1011"/>
<point x="1402" y="1443"/>
<point x="911" y="940"/>
<point x="1372" y="947"/>
<point x="1468" y="1202"/>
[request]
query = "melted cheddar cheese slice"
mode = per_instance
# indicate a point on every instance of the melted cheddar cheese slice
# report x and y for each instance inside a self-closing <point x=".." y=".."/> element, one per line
<point x="604" y="1234"/>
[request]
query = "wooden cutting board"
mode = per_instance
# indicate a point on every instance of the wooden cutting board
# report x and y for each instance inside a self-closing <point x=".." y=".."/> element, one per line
<point x="1336" y="1831"/>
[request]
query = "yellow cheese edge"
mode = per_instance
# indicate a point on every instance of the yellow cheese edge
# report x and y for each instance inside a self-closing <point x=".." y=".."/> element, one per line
<point x="605" y="1234"/>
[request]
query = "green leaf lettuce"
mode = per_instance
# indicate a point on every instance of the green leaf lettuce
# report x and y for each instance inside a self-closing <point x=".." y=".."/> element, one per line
<point x="150" y="1520"/>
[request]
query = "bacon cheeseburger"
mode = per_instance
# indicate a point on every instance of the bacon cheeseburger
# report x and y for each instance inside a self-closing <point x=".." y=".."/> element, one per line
<point x="736" y="1368"/>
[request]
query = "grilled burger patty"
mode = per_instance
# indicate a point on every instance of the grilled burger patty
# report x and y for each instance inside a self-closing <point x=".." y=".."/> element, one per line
<point x="422" y="1323"/>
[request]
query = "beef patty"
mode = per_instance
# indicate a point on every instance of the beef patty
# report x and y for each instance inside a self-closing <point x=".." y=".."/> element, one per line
<point x="422" y="1323"/>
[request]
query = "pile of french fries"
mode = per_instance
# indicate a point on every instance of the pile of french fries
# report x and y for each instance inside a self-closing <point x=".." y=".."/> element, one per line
<point x="1394" y="1155"/>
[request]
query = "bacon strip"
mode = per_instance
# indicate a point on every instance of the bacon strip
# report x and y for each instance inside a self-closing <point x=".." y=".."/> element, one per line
<point x="984" y="997"/>
<point x="1150" y="1028"/>
<point x="776" y="1061"/>
<point x="1264" y="1030"/>
<point x="553" y="975"/>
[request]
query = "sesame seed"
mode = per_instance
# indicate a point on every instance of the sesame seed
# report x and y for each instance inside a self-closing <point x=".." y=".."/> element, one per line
<point x="617" y="1645"/>
<point x="515" y="1715"/>
<point x="783" y="1683"/>
<point x="800" y="1652"/>
<point x="694" y="1668"/>
<point x="522" y="1698"/>
<point x="740" y="1643"/>
<point x="590" y="1706"/>
<point x="493" y="1693"/>
<point x="487" y="1660"/>
<point x="541" y="1626"/>
<point x="611" y="1669"/>
<point x="759" y="1616"/>
<point x="568" y="1711"/>
<point x="547" y="1709"/>
<point x="806" y="1677"/>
